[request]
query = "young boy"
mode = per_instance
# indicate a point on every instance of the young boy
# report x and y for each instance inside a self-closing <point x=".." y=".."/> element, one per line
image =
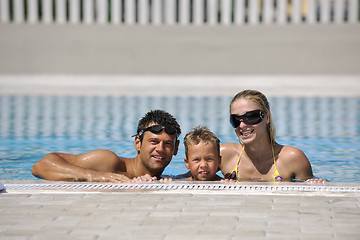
<point x="202" y="150"/>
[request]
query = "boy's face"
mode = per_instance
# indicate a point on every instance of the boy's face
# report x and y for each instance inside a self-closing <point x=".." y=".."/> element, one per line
<point x="203" y="161"/>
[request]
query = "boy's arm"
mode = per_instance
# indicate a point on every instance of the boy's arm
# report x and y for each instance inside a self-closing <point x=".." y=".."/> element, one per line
<point x="95" y="166"/>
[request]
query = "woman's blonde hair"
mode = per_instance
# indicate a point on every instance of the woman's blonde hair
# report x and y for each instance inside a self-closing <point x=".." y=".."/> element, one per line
<point x="259" y="99"/>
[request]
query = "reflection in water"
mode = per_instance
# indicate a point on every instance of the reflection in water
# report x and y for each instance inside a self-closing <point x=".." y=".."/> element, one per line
<point x="327" y="129"/>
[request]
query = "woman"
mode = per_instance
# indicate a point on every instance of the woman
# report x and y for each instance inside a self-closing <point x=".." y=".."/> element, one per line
<point x="258" y="157"/>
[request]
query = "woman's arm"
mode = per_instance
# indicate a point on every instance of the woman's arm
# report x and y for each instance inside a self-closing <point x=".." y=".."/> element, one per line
<point x="299" y="165"/>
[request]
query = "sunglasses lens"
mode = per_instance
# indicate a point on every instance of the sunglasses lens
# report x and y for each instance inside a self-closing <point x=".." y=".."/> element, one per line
<point x="170" y="130"/>
<point x="157" y="129"/>
<point x="234" y="121"/>
<point x="251" y="118"/>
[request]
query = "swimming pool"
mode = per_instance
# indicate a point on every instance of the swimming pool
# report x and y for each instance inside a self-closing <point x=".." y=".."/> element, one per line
<point x="326" y="129"/>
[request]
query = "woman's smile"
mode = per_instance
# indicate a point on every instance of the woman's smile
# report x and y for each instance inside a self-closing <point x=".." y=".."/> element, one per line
<point x="246" y="133"/>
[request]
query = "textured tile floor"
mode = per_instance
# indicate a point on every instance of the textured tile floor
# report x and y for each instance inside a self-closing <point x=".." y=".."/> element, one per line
<point x="178" y="214"/>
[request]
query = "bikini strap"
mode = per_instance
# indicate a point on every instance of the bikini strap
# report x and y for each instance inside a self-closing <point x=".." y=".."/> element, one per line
<point x="237" y="164"/>
<point x="277" y="177"/>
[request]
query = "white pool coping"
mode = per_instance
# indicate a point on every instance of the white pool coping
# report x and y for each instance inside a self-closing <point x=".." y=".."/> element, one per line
<point x="180" y="85"/>
<point x="259" y="188"/>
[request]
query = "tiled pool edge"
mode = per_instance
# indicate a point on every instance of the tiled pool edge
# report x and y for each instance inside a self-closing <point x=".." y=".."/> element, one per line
<point x="16" y="186"/>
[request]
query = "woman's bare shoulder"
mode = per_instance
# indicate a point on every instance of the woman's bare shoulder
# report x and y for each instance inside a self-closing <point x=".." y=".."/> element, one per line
<point x="225" y="147"/>
<point x="295" y="161"/>
<point x="229" y="153"/>
<point x="290" y="152"/>
<point x="293" y="157"/>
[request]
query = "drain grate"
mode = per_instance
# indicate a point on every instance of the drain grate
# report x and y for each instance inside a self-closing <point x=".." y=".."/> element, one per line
<point x="177" y="186"/>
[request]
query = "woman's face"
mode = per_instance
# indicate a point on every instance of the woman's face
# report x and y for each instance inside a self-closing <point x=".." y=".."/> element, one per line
<point x="248" y="133"/>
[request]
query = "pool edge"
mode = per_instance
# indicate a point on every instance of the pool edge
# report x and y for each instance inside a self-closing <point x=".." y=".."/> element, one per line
<point x="185" y="187"/>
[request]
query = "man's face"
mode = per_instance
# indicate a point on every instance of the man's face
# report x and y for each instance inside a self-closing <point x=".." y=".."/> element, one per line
<point x="157" y="149"/>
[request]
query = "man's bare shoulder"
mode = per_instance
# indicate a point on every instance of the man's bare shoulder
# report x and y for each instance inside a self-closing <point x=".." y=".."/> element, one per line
<point x="104" y="160"/>
<point x="103" y="153"/>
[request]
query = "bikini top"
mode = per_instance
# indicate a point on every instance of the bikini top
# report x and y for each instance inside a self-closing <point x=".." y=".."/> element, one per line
<point x="234" y="174"/>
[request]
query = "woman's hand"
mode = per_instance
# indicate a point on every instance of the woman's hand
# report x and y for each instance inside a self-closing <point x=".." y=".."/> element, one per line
<point x="316" y="180"/>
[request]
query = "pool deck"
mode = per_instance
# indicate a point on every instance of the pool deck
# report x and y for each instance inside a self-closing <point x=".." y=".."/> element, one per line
<point x="60" y="210"/>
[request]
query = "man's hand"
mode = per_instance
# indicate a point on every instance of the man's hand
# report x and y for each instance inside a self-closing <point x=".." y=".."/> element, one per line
<point x="143" y="178"/>
<point x="109" y="177"/>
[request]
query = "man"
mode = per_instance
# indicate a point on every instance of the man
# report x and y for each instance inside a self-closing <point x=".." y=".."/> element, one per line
<point x="156" y="142"/>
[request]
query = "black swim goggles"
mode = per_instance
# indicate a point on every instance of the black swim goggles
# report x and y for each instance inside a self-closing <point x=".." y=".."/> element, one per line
<point x="250" y="118"/>
<point x="158" y="128"/>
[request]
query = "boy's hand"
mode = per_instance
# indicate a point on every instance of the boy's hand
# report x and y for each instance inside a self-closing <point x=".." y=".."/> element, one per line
<point x="227" y="181"/>
<point x="165" y="180"/>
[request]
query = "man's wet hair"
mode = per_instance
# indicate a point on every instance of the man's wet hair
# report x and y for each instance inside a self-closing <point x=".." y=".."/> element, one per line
<point x="158" y="117"/>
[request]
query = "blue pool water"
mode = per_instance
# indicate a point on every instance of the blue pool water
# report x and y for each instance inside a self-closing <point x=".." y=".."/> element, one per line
<point x="326" y="129"/>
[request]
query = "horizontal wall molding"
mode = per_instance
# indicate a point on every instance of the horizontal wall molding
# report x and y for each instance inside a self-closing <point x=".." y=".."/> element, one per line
<point x="181" y="85"/>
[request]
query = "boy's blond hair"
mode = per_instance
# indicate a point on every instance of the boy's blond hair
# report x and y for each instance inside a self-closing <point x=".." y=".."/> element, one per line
<point x="199" y="134"/>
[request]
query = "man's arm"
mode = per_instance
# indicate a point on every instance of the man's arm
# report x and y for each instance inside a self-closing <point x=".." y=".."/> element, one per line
<point x="95" y="166"/>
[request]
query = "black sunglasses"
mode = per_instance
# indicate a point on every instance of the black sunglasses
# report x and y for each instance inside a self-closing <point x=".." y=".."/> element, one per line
<point x="158" y="128"/>
<point x="251" y="118"/>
